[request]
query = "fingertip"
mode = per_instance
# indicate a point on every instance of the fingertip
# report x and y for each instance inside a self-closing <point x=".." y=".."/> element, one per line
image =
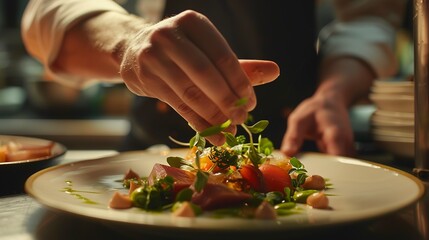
<point x="274" y="70"/>
<point x="291" y="143"/>
<point x="289" y="149"/>
<point x="248" y="99"/>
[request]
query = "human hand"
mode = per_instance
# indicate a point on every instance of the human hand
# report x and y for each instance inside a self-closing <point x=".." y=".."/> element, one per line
<point x="185" y="62"/>
<point x="323" y="120"/>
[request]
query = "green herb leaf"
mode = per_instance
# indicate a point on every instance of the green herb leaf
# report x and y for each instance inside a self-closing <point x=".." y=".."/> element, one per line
<point x="154" y="197"/>
<point x="241" y="139"/>
<point x="265" y="146"/>
<point x="288" y="196"/>
<point x="254" y="156"/>
<point x="258" y="127"/>
<point x="198" y="141"/>
<point x="184" y="195"/>
<point x="192" y="141"/>
<point x="230" y="139"/>
<point x="301" y="178"/>
<point x="215" y="129"/>
<point x="201" y="180"/>
<point x="274" y="197"/>
<point x="241" y="102"/>
<point x="197" y="158"/>
<point x="177" y="162"/>
<point x="296" y="163"/>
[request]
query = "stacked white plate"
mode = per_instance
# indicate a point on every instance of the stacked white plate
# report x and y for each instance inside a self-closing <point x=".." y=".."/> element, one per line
<point x="392" y="123"/>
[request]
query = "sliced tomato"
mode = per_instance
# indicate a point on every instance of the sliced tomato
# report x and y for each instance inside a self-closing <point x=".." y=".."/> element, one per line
<point x="253" y="177"/>
<point x="275" y="177"/>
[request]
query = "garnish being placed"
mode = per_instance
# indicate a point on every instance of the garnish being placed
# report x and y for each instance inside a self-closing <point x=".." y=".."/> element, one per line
<point x="241" y="178"/>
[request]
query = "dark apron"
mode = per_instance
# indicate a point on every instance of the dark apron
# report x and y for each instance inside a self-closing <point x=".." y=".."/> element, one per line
<point x="281" y="31"/>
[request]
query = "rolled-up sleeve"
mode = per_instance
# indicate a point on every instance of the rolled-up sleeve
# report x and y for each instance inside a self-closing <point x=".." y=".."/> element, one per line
<point x="45" y="22"/>
<point x="371" y="39"/>
<point x="365" y="29"/>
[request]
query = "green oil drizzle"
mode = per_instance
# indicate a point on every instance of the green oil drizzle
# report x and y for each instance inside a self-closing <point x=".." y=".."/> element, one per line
<point x="77" y="193"/>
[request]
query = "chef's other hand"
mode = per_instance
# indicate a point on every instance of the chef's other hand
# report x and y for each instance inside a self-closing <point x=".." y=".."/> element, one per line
<point x="324" y="121"/>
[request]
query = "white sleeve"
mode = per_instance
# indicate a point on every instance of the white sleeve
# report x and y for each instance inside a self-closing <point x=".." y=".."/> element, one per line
<point x="45" y="22"/>
<point x="371" y="39"/>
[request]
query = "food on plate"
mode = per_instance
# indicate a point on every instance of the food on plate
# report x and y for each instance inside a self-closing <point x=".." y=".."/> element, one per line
<point x="318" y="200"/>
<point x="241" y="178"/>
<point x="11" y="151"/>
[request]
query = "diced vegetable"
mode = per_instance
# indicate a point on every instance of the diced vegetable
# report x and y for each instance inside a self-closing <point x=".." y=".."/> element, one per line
<point x="275" y="178"/>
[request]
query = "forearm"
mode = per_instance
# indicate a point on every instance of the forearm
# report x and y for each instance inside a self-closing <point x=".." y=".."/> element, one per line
<point x="44" y="26"/>
<point x="93" y="47"/>
<point x="358" y="47"/>
<point x="345" y="80"/>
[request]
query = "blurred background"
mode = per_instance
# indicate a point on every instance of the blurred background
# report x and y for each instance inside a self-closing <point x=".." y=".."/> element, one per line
<point x="96" y="117"/>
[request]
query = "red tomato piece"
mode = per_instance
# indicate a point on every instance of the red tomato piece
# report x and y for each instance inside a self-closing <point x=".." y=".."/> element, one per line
<point x="253" y="177"/>
<point x="275" y="178"/>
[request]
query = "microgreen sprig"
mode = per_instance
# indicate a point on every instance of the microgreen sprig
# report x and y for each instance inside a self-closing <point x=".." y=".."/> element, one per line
<point x="253" y="153"/>
<point x="299" y="169"/>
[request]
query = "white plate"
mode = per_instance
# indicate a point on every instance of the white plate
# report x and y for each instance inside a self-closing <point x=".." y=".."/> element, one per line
<point x="392" y="133"/>
<point x="393" y="90"/>
<point x="393" y="84"/>
<point x="394" y="115"/>
<point x="393" y="124"/>
<point x="383" y="121"/>
<point x="399" y="146"/>
<point x="361" y="191"/>
<point x="395" y="103"/>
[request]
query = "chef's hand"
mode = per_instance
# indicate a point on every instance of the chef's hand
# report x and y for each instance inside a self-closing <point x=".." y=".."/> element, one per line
<point x="324" y="117"/>
<point x="323" y="121"/>
<point x="185" y="62"/>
